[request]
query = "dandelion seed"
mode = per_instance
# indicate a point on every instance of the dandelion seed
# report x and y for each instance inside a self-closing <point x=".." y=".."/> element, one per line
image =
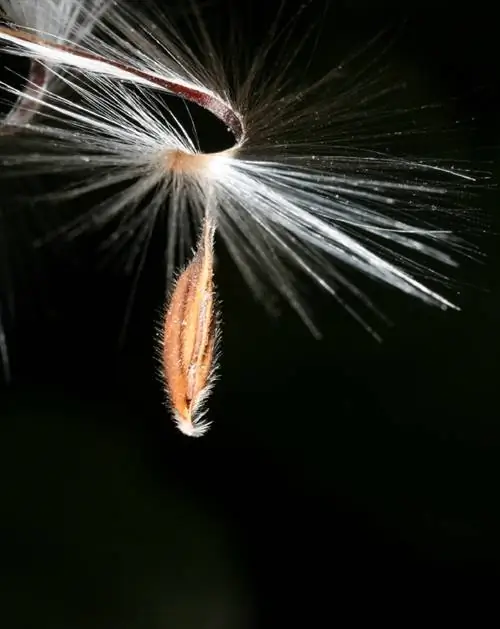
<point x="305" y="183"/>
<point x="189" y="338"/>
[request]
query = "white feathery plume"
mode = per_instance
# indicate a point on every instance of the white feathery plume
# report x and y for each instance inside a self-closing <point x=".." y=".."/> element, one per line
<point x="303" y="184"/>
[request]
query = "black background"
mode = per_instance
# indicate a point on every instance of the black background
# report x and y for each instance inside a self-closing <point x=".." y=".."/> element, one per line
<point x="342" y="478"/>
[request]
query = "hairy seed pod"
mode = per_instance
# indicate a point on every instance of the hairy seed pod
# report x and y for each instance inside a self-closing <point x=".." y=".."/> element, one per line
<point x="190" y="335"/>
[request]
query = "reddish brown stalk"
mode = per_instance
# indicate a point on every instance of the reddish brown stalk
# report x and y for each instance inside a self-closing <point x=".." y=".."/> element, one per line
<point x="32" y="95"/>
<point x="208" y="101"/>
<point x="190" y="334"/>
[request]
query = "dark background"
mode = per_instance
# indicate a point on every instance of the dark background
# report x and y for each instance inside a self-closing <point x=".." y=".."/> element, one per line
<point x="342" y="480"/>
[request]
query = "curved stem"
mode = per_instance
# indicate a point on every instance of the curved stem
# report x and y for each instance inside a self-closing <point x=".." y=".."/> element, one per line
<point x="70" y="56"/>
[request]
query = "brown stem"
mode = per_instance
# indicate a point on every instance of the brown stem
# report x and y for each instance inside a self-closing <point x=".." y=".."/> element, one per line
<point x="212" y="103"/>
<point x="20" y="113"/>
